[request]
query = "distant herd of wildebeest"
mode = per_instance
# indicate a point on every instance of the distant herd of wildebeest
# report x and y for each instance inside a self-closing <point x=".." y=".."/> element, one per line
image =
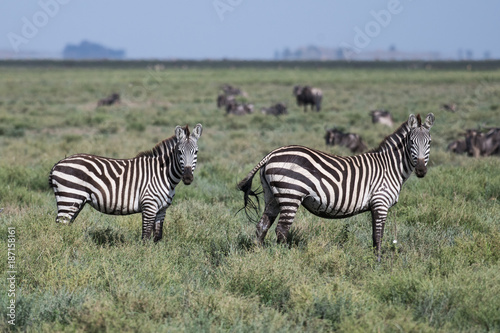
<point x="476" y="142"/>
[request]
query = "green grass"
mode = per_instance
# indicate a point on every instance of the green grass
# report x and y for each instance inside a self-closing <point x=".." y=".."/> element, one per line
<point x="207" y="274"/>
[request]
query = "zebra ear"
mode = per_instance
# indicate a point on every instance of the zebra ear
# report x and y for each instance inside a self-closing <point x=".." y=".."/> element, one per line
<point x="429" y="121"/>
<point x="197" y="131"/>
<point x="412" y="121"/>
<point x="179" y="133"/>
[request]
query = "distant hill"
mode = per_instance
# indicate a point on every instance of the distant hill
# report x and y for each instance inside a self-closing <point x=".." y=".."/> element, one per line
<point x="89" y="50"/>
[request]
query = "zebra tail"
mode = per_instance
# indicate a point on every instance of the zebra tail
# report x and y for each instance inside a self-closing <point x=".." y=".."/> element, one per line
<point x="246" y="187"/>
<point x="251" y="209"/>
<point x="51" y="184"/>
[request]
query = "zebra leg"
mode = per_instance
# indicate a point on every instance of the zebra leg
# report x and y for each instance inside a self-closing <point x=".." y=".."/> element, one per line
<point x="271" y="210"/>
<point x="67" y="213"/>
<point x="148" y="221"/>
<point x="287" y="215"/>
<point x="266" y="221"/>
<point x="160" y="216"/>
<point x="379" y="216"/>
<point x="69" y="204"/>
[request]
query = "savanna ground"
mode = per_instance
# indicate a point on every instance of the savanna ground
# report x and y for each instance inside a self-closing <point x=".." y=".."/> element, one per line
<point x="206" y="275"/>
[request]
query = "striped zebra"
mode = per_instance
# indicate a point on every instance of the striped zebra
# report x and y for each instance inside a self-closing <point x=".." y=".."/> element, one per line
<point x="332" y="186"/>
<point x="144" y="184"/>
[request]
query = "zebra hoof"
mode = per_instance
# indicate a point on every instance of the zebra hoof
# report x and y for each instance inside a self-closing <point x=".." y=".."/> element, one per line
<point x="64" y="220"/>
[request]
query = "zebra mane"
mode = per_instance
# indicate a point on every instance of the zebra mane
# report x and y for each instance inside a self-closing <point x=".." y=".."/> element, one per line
<point x="162" y="148"/>
<point x="388" y="142"/>
<point x="165" y="147"/>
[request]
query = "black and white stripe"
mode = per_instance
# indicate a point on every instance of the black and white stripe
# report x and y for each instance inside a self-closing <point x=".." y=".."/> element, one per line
<point x="144" y="184"/>
<point x="339" y="186"/>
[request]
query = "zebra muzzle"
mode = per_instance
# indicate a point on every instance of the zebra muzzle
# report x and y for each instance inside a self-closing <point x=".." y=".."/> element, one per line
<point x="420" y="168"/>
<point x="187" y="176"/>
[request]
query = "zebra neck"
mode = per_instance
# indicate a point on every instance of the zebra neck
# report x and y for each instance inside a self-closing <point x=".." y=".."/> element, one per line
<point x="175" y="172"/>
<point x="168" y="170"/>
<point x="395" y="147"/>
<point x="162" y="162"/>
<point x="407" y="164"/>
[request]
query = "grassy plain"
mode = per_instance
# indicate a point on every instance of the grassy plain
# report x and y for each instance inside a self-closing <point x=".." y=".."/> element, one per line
<point x="442" y="275"/>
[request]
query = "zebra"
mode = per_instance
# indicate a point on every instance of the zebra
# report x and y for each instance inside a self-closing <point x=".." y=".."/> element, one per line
<point x="332" y="186"/>
<point x="144" y="184"/>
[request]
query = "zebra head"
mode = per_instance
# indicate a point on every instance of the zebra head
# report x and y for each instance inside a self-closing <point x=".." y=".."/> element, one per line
<point x="186" y="151"/>
<point x="420" y="142"/>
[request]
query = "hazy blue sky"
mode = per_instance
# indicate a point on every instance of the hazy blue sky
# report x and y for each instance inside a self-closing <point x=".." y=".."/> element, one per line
<point x="251" y="29"/>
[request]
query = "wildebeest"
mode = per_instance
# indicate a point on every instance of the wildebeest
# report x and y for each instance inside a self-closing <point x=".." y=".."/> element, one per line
<point x="449" y="107"/>
<point x="229" y="90"/>
<point x="307" y="95"/>
<point x="458" y="147"/>
<point x="382" y="117"/>
<point x="110" y="100"/>
<point x="275" y="110"/>
<point x="228" y="95"/>
<point x="352" y="141"/>
<point x="239" y="109"/>
<point x="477" y="143"/>
<point x="224" y="100"/>
<point x="483" y="144"/>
